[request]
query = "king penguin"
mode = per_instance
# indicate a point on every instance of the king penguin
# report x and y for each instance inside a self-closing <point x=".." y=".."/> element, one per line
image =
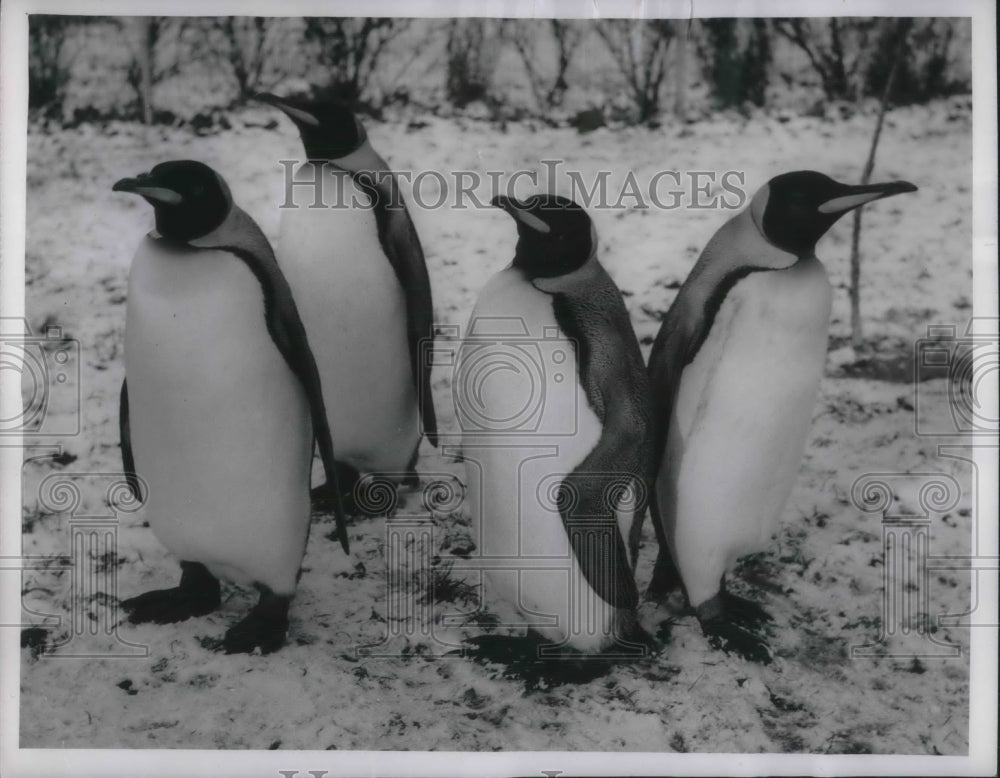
<point x="734" y="373"/>
<point x="552" y="398"/>
<point x="358" y="272"/>
<point x="220" y="406"/>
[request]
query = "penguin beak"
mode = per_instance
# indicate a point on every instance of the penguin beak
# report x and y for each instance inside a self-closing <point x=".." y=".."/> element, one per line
<point x="145" y="186"/>
<point x="297" y="115"/>
<point x="520" y="212"/>
<point x="855" y="196"/>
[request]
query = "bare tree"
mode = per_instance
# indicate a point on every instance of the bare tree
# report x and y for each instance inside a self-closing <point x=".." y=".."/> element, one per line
<point x="154" y="41"/>
<point x="737" y="57"/>
<point x="901" y="32"/>
<point x="639" y="48"/>
<point x="835" y="48"/>
<point x="471" y="51"/>
<point x="249" y="45"/>
<point x="49" y="60"/>
<point x="350" y="51"/>
<point x="566" y="36"/>
<point x="923" y="73"/>
<point x="680" y="69"/>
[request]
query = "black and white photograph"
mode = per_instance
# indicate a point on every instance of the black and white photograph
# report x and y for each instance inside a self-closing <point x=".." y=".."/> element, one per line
<point x="498" y="388"/>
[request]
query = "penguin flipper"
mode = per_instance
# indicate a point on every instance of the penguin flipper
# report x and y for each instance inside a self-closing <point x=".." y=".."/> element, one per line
<point x="240" y="235"/>
<point x="125" y="436"/>
<point x="666" y="577"/>
<point x="401" y="246"/>
<point x="289" y="335"/>
<point x="670" y="353"/>
<point x="590" y="522"/>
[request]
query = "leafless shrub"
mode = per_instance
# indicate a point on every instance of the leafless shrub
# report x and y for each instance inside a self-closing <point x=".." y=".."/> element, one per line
<point x="639" y="49"/>
<point x="565" y="36"/>
<point x="250" y="42"/>
<point x="154" y="41"/>
<point x="836" y="48"/>
<point x="50" y="57"/>
<point x="349" y="51"/>
<point x="471" y="52"/>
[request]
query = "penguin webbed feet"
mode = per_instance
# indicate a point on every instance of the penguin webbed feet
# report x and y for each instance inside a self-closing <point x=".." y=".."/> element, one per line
<point x="198" y="594"/>
<point x="736" y="625"/>
<point x="264" y="628"/>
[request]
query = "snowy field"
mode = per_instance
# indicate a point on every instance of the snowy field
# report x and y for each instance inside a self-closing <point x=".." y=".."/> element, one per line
<point x="822" y="577"/>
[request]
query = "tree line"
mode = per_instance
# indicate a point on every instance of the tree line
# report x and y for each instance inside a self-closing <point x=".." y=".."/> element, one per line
<point x="650" y="67"/>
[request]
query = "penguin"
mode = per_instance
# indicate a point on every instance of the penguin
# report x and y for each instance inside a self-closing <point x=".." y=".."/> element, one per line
<point x="220" y="405"/>
<point x="358" y="272"/>
<point x="734" y="372"/>
<point x="553" y="401"/>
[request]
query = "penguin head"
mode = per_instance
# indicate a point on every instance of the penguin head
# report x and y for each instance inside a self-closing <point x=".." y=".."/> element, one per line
<point x="189" y="199"/>
<point x="794" y="210"/>
<point x="554" y="235"/>
<point x="328" y="128"/>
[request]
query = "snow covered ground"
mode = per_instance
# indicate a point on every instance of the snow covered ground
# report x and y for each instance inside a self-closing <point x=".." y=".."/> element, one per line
<point x="822" y="578"/>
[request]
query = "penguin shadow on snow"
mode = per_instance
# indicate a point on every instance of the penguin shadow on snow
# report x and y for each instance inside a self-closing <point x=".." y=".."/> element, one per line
<point x="540" y="664"/>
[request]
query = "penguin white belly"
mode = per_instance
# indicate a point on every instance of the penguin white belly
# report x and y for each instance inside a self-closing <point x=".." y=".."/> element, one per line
<point x="220" y="426"/>
<point x="354" y="311"/>
<point x="513" y="478"/>
<point x="740" y="421"/>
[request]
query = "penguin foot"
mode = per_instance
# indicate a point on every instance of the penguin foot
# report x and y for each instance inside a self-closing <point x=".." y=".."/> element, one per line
<point x="197" y="595"/>
<point x="734" y="625"/>
<point x="263" y="628"/>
